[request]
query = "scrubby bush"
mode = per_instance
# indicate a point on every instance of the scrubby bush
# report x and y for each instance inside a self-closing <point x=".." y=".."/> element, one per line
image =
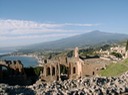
<point x="37" y="70"/>
<point x="118" y="55"/>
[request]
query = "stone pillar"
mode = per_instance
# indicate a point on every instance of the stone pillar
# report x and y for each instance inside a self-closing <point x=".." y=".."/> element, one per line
<point x="79" y="68"/>
<point x="71" y="69"/>
<point x="51" y="72"/>
<point x="44" y="73"/>
<point x="76" y="52"/>
<point x="68" y="71"/>
<point x="126" y="54"/>
<point x="55" y="70"/>
<point x="59" y="71"/>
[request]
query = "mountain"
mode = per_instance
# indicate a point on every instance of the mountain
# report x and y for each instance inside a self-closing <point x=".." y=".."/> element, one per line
<point x="87" y="39"/>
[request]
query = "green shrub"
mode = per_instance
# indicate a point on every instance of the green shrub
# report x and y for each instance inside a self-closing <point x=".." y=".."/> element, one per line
<point x="118" y="55"/>
<point x="37" y="70"/>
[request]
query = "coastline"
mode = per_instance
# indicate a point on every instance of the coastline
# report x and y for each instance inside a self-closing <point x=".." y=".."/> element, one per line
<point x="27" y="61"/>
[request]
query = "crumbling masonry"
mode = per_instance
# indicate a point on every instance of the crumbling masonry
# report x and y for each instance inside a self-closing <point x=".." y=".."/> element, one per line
<point x="76" y="68"/>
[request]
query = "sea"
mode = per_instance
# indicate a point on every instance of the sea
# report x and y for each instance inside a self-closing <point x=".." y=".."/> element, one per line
<point x="26" y="61"/>
<point x="2" y="52"/>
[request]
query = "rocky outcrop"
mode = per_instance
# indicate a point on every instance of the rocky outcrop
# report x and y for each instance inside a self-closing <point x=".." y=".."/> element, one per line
<point x="15" y="90"/>
<point x="82" y="86"/>
<point x="85" y="86"/>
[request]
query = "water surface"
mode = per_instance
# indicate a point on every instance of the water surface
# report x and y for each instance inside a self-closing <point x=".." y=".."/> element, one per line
<point x="26" y="61"/>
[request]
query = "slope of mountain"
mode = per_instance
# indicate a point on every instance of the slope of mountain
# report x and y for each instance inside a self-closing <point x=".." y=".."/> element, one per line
<point x="87" y="39"/>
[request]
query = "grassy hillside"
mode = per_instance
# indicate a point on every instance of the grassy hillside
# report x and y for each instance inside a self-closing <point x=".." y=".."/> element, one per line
<point x="115" y="69"/>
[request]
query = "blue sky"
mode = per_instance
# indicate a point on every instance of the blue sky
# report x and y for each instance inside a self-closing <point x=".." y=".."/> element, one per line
<point x="24" y="22"/>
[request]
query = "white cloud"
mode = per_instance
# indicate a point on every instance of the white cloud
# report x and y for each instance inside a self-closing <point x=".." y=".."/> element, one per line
<point x="36" y="36"/>
<point x="21" y="24"/>
<point x="78" y="24"/>
<point x="23" y="30"/>
<point x="21" y="27"/>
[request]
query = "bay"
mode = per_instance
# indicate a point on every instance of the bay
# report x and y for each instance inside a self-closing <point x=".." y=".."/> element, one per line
<point x="6" y="51"/>
<point x="26" y="61"/>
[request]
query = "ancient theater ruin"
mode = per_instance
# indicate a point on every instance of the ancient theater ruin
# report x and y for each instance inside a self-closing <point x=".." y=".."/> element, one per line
<point x="11" y="71"/>
<point x="75" y="67"/>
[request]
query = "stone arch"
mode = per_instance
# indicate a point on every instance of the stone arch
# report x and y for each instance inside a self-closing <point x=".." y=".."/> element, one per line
<point x="53" y="71"/>
<point x="63" y="69"/>
<point x="45" y="61"/>
<point x="48" y="71"/>
<point x="93" y="73"/>
<point x="42" y="70"/>
<point x="4" y="71"/>
<point x="74" y="70"/>
<point x="4" y="68"/>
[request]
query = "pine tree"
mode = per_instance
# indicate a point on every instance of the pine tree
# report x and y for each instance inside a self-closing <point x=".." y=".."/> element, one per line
<point x="127" y="46"/>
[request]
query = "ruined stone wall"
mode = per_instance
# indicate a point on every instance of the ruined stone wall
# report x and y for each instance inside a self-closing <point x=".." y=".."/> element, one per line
<point x="16" y="65"/>
<point x="12" y="72"/>
<point x="76" y="67"/>
<point x="73" y="70"/>
<point x="49" y="72"/>
<point x="93" y="66"/>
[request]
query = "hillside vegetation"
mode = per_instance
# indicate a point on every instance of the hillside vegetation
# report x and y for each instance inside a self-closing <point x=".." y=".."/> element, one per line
<point x="115" y="69"/>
